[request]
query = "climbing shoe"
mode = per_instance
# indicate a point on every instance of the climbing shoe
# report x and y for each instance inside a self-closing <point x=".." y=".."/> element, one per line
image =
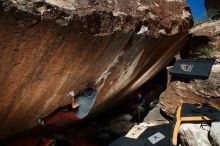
<point x="40" y="121"/>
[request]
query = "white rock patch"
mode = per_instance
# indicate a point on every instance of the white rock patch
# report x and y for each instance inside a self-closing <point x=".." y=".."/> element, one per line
<point x="162" y="31"/>
<point x="66" y="4"/>
<point x="185" y="14"/>
<point x="143" y="30"/>
<point x="175" y="1"/>
<point x="215" y="132"/>
<point x="107" y="72"/>
<point x="142" y="8"/>
<point x="194" y="134"/>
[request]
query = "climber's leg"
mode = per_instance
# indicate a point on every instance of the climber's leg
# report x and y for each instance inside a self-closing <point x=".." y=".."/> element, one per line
<point x="62" y="115"/>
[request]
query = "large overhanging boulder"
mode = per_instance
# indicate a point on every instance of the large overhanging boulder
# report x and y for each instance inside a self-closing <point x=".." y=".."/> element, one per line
<point x="51" y="47"/>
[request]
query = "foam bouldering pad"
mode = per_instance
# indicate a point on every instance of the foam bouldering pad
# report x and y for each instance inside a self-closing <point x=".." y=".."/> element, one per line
<point x="152" y="136"/>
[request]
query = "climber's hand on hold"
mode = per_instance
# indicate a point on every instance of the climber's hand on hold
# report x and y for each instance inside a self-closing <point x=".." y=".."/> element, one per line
<point x="71" y="94"/>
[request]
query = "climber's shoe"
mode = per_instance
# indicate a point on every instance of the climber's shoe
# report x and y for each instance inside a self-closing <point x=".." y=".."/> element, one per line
<point x="40" y="121"/>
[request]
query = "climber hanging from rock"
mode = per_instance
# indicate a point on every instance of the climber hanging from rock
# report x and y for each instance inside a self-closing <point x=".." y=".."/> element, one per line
<point x="81" y="104"/>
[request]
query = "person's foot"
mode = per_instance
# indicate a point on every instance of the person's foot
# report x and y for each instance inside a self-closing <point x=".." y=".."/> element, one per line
<point x="40" y="121"/>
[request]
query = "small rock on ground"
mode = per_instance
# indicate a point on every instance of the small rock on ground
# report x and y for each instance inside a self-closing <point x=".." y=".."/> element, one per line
<point x="194" y="135"/>
<point x="215" y="133"/>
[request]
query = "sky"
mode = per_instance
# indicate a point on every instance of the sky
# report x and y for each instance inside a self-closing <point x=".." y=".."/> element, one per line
<point x="198" y="9"/>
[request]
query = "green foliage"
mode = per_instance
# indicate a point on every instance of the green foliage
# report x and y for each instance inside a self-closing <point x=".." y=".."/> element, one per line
<point x="205" y="51"/>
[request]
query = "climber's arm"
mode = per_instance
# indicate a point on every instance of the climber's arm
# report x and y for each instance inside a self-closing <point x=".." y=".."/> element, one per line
<point x="74" y="102"/>
<point x="72" y="95"/>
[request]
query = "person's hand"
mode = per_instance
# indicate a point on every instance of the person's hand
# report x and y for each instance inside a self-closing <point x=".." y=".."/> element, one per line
<point x="71" y="94"/>
<point x="74" y="103"/>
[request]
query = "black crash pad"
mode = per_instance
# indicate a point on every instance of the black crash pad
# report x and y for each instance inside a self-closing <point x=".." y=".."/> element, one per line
<point x="145" y="139"/>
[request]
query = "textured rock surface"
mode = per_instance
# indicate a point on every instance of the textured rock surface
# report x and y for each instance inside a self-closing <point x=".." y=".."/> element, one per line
<point x="194" y="135"/>
<point x="204" y="42"/>
<point x="215" y="133"/>
<point x="154" y="117"/>
<point x="210" y="30"/>
<point x="105" y="16"/>
<point x="195" y="92"/>
<point x="197" y="135"/>
<point x="213" y="8"/>
<point x="204" y="36"/>
<point x="119" y="42"/>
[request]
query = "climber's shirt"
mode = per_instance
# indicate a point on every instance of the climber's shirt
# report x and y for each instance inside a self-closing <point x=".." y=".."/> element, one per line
<point x="86" y="102"/>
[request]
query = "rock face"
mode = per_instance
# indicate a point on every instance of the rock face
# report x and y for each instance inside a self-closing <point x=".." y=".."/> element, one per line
<point x="49" y="48"/>
<point x="154" y="117"/>
<point x="204" y="41"/>
<point x="195" y="92"/>
<point x="215" y="134"/>
<point x="213" y="8"/>
<point x="194" y="135"/>
<point x="210" y="30"/>
<point x="106" y="16"/>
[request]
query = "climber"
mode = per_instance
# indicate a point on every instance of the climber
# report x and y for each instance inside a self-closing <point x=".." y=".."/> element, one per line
<point x="139" y="107"/>
<point x="81" y="105"/>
